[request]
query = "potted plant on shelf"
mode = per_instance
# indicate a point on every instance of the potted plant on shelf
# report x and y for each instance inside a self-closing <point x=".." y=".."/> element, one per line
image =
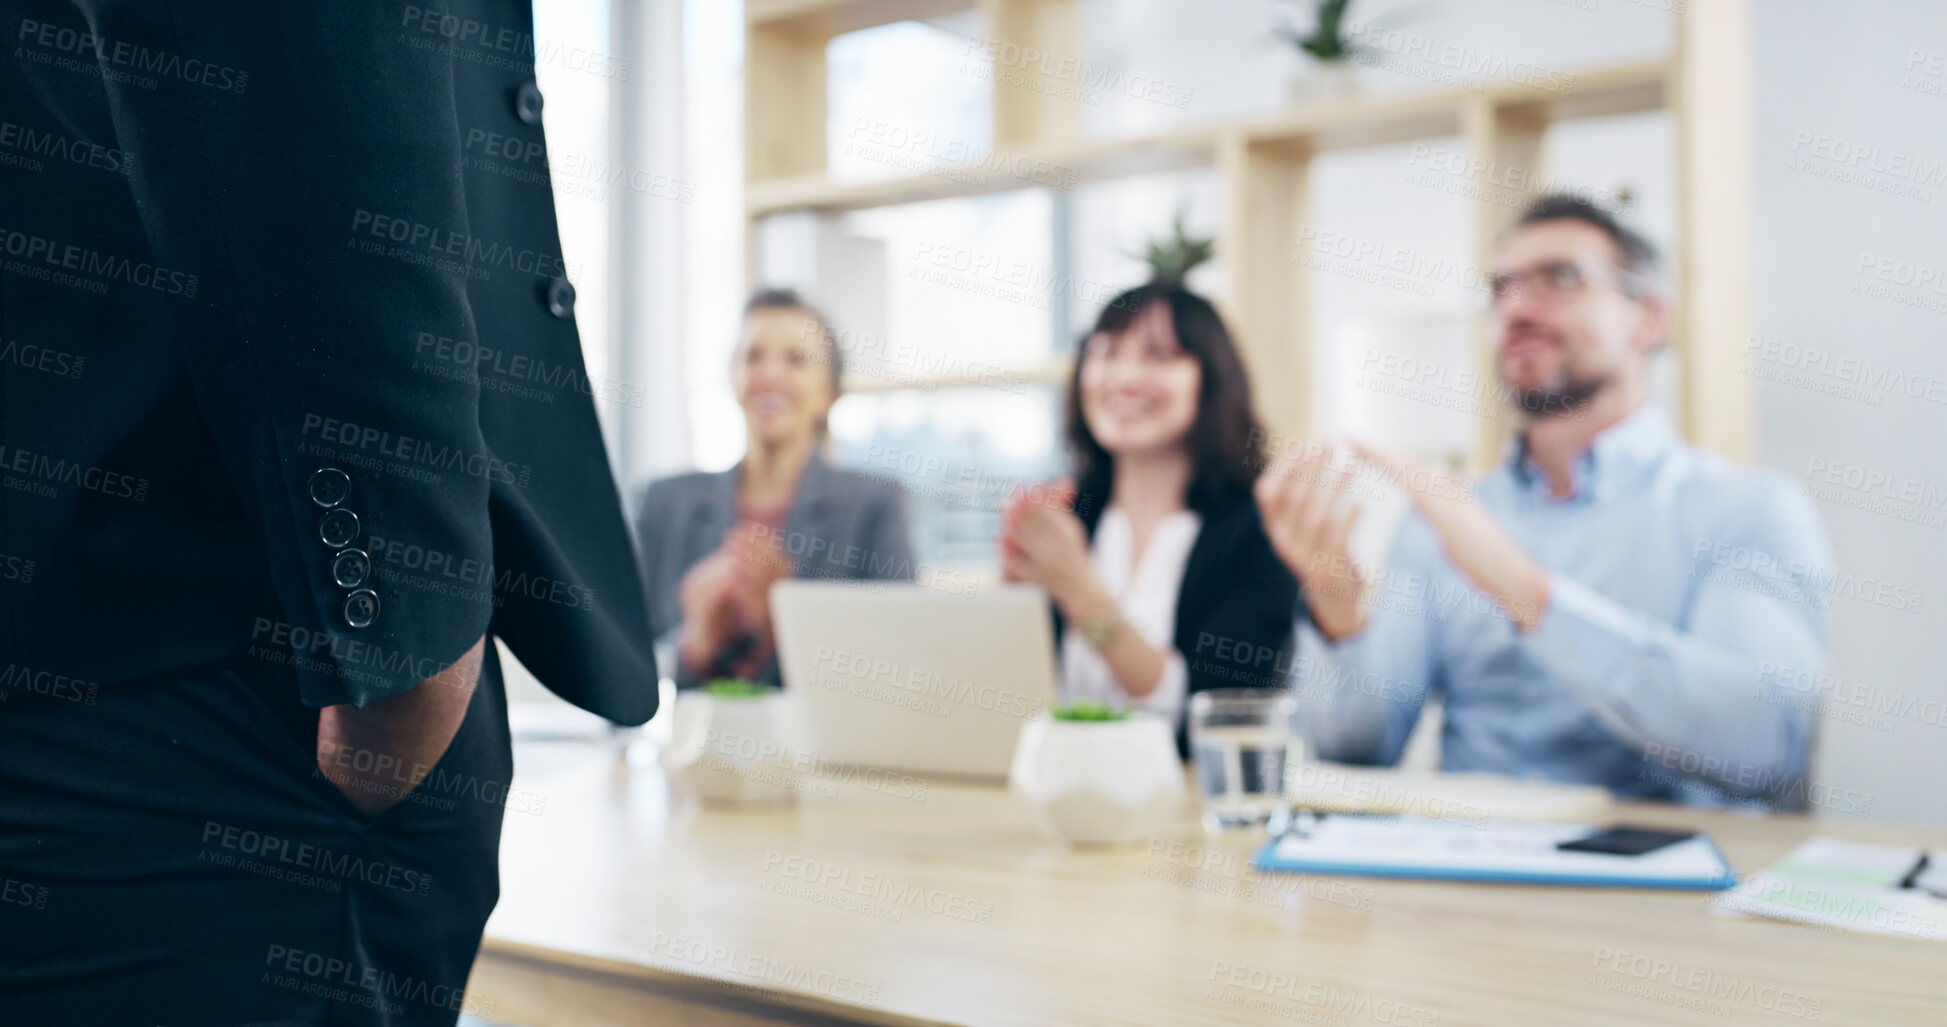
<point x="1096" y="775"/>
<point x="735" y="741"/>
<point x="1328" y="49"/>
<point x="1172" y="257"/>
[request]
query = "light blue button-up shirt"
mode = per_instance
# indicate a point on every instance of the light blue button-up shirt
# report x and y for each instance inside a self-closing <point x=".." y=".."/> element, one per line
<point x="1677" y="657"/>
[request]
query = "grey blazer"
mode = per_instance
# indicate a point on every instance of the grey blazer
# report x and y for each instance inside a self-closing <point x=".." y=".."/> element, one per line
<point x="843" y="525"/>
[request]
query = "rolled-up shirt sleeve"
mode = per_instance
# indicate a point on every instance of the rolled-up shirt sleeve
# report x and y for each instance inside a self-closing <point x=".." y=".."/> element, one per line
<point x="1719" y="696"/>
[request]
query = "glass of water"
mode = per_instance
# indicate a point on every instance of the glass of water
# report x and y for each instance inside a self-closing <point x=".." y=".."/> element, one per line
<point x="1238" y="739"/>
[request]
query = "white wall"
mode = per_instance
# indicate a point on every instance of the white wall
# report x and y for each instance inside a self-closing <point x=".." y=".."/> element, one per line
<point x="1840" y="71"/>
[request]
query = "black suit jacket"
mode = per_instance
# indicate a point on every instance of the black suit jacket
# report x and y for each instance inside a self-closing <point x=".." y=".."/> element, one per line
<point x="1236" y="607"/>
<point x="244" y="253"/>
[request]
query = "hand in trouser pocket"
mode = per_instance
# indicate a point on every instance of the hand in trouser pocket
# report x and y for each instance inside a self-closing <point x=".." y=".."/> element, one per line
<point x="377" y="755"/>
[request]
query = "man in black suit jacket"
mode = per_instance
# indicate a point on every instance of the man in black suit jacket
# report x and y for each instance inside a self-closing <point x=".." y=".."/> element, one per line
<point x="294" y="418"/>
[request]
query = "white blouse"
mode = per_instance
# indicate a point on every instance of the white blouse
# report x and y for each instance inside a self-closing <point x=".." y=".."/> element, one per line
<point x="1145" y="594"/>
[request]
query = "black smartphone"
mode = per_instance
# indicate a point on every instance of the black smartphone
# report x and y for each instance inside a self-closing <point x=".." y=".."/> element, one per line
<point x="1623" y="840"/>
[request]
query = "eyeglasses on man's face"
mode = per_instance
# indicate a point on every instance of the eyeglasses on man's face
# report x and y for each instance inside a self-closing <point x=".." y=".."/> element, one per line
<point x="1556" y="280"/>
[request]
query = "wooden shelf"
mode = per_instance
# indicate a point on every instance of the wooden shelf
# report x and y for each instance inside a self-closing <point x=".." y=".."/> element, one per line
<point x="1362" y="121"/>
<point x="829" y="18"/>
<point x="1264" y="163"/>
<point x="879" y="381"/>
<point x="991" y="171"/>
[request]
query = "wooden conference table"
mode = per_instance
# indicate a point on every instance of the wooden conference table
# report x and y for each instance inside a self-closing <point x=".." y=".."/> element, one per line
<point x="626" y="903"/>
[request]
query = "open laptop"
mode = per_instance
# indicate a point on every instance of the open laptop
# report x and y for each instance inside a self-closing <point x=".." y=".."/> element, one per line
<point x="905" y="677"/>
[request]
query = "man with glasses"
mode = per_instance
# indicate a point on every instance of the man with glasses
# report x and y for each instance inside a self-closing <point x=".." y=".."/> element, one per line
<point x="1609" y="606"/>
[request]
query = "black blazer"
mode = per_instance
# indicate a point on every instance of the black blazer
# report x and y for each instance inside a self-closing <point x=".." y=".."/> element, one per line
<point x="1237" y="605"/>
<point x="291" y="377"/>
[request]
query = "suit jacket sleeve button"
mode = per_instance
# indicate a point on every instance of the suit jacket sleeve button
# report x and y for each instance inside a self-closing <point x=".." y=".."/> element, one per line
<point x="329" y="486"/>
<point x="361" y="608"/>
<point x="561" y="298"/>
<point x="349" y="568"/>
<point x="527" y="103"/>
<point x="338" y="528"/>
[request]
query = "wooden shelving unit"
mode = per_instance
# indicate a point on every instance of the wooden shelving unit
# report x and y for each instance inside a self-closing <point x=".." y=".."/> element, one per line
<point x="1052" y="372"/>
<point x="1265" y="166"/>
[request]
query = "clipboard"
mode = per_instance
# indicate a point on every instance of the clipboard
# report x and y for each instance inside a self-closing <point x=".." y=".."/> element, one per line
<point x="1505" y="852"/>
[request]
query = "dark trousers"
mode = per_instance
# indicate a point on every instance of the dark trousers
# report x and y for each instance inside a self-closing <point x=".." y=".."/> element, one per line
<point x="170" y="857"/>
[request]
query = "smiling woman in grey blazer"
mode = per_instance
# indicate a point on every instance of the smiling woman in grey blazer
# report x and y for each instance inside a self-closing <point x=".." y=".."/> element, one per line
<point x="712" y="543"/>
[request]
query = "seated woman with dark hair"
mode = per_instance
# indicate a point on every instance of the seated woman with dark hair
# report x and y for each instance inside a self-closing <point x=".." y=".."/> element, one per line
<point x="713" y="543"/>
<point x="1163" y="581"/>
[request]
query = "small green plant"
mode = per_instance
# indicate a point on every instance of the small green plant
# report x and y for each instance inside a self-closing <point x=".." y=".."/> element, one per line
<point x="736" y="688"/>
<point x="1172" y="257"/>
<point x="1088" y="711"/>
<point x="1326" y="41"/>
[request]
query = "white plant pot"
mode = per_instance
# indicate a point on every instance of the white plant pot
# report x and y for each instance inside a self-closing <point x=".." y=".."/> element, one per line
<point x="735" y="749"/>
<point x="1099" y="782"/>
<point x="1326" y="82"/>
